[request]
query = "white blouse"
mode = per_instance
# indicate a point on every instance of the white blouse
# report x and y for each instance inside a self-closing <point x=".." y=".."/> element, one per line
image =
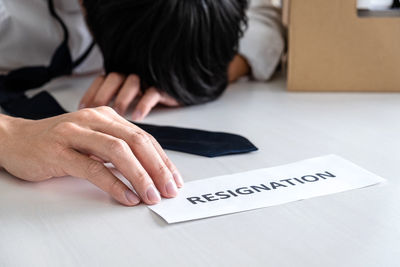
<point x="29" y="36"/>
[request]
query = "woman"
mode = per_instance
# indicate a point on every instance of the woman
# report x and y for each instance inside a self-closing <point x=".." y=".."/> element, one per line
<point x="171" y="52"/>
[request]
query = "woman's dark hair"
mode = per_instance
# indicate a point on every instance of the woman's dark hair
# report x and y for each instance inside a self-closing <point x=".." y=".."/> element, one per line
<point x="182" y="47"/>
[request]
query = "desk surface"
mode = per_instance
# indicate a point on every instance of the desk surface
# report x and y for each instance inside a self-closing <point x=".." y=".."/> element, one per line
<point x="69" y="222"/>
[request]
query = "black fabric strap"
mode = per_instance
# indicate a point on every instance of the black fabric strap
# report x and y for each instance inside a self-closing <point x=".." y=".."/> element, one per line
<point x="192" y="141"/>
<point x="23" y="79"/>
<point x="18" y="81"/>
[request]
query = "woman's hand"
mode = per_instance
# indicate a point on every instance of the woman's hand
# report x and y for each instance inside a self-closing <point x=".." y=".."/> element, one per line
<point x="78" y="143"/>
<point x="124" y="90"/>
<point x="238" y="68"/>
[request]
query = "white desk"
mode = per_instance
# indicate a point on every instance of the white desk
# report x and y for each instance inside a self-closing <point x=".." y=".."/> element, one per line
<point x="68" y="222"/>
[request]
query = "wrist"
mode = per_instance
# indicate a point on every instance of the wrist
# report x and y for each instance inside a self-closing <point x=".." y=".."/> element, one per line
<point x="5" y="127"/>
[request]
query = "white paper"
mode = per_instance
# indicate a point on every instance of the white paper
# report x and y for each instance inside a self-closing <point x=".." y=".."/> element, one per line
<point x="264" y="187"/>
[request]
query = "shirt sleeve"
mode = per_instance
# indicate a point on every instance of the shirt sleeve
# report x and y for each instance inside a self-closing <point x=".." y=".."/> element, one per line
<point x="4" y="16"/>
<point x="263" y="42"/>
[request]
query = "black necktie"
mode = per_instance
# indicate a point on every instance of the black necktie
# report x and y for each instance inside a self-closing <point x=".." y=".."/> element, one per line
<point x="43" y="105"/>
<point x="197" y="142"/>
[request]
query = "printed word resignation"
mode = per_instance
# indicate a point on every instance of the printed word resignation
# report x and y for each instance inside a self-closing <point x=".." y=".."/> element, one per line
<point x="247" y="190"/>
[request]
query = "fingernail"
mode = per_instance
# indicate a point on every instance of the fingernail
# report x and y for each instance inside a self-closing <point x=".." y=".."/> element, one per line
<point x="131" y="197"/>
<point x="171" y="188"/>
<point x="82" y="106"/>
<point x="153" y="195"/>
<point x="137" y="115"/>
<point x="178" y="179"/>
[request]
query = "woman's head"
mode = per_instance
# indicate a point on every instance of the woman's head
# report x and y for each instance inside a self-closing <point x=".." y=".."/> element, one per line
<point x="182" y="47"/>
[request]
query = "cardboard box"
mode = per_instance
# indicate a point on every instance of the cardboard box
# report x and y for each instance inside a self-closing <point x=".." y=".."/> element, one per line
<point x="331" y="48"/>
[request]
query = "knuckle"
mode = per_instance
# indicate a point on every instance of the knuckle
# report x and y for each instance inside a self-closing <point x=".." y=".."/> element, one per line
<point x="98" y="102"/>
<point x="120" y="104"/>
<point x="141" y="138"/>
<point x="115" y="188"/>
<point x="133" y="78"/>
<point x="65" y="127"/>
<point x="144" y="107"/>
<point x="142" y="180"/>
<point x="99" y="78"/>
<point x="114" y="76"/>
<point x="153" y="90"/>
<point x="94" y="168"/>
<point x="85" y="114"/>
<point x="162" y="154"/>
<point x="104" y="109"/>
<point x="153" y="140"/>
<point x="63" y="154"/>
<point x="163" y="169"/>
<point x="168" y="162"/>
<point x="118" y="147"/>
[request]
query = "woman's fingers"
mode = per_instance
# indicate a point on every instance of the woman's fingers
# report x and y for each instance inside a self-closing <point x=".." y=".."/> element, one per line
<point x="79" y="143"/>
<point x="91" y="92"/>
<point x="171" y="166"/>
<point x="81" y="166"/>
<point x="141" y="144"/>
<point x="168" y="100"/>
<point x="125" y="90"/>
<point x="107" y="90"/>
<point x="148" y="101"/>
<point x="117" y="151"/>
<point x="127" y="94"/>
